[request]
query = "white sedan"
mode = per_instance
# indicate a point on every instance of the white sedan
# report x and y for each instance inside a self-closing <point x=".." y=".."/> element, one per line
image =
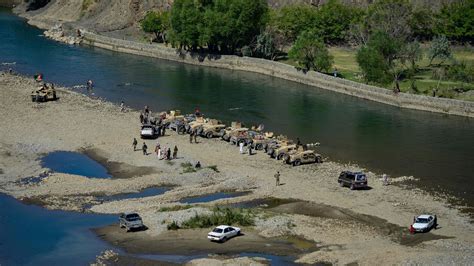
<point x="424" y="223"/>
<point x="223" y="232"/>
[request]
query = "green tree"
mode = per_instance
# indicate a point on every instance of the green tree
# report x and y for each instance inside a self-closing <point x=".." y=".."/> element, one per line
<point x="157" y="23"/>
<point x="422" y="23"/>
<point x="456" y="21"/>
<point x="186" y="19"/>
<point x="390" y="16"/>
<point x="377" y="58"/>
<point x="332" y="21"/>
<point x="292" y="20"/>
<point x="439" y="48"/>
<point x="309" y="52"/>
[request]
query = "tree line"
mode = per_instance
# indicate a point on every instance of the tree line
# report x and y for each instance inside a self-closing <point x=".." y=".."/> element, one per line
<point x="388" y="32"/>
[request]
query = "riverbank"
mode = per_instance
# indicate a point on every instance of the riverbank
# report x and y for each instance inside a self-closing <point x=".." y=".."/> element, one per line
<point x="265" y="67"/>
<point x="78" y="123"/>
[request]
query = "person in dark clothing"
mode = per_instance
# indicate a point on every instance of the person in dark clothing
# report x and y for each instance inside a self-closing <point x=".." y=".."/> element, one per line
<point x="168" y="154"/>
<point x="250" y="149"/>
<point x="198" y="165"/>
<point x="191" y="137"/>
<point x="163" y="130"/>
<point x="195" y="137"/>
<point x="175" y="152"/>
<point x="134" y="144"/>
<point x="142" y="119"/>
<point x="298" y="142"/>
<point x="144" y="148"/>
<point x="146" y="110"/>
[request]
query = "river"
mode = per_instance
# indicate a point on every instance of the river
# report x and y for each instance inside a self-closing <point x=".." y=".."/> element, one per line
<point x="438" y="149"/>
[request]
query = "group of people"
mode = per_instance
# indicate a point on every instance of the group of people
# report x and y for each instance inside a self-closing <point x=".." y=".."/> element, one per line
<point x="165" y="153"/>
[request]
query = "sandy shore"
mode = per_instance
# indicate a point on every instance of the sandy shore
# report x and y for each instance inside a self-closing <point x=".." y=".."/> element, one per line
<point x="78" y="123"/>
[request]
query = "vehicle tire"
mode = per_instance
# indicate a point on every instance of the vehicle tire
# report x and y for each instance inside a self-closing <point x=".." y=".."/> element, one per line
<point x="270" y="152"/>
<point x="297" y="163"/>
<point x="209" y="135"/>
<point x="241" y="141"/>
<point x="319" y="160"/>
<point x="239" y="233"/>
<point x="128" y="229"/>
<point x="352" y="187"/>
<point x="341" y="184"/>
<point x="280" y="156"/>
<point x="33" y="98"/>
<point x="259" y="146"/>
<point x="224" y="239"/>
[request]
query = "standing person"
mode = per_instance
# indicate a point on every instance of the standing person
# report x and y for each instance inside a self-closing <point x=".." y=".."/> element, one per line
<point x="250" y="149"/>
<point x="168" y="154"/>
<point x="335" y="72"/>
<point x="134" y="144"/>
<point x="241" y="147"/>
<point x="141" y="118"/>
<point x="146" y="110"/>
<point x="197" y="112"/>
<point x="144" y="148"/>
<point x="191" y="137"/>
<point x="89" y="84"/>
<point x="175" y="152"/>
<point x="122" y="106"/>
<point x="195" y="137"/>
<point x="157" y="147"/>
<point x="298" y="142"/>
<point x="160" y="156"/>
<point x="163" y="130"/>
<point x="277" y="178"/>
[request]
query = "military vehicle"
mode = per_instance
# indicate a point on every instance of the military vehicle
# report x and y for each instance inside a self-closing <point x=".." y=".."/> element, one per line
<point x="44" y="93"/>
<point x="282" y="151"/>
<point x="231" y="132"/>
<point x="299" y="157"/>
<point x="213" y="128"/>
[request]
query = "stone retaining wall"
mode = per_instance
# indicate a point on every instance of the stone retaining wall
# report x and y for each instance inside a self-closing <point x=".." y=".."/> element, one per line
<point x="284" y="71"/>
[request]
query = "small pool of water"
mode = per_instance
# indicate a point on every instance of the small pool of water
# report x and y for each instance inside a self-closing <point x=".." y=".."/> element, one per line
<point x="274" y="260"/>
<point x="31" y="235"/>
<point x="74" y="163"/>
<point x="147" y="192"/>
<point x="212" y="197"/>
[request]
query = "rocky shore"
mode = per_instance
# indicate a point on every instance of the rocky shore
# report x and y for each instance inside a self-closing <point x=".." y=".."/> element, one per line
<point x="342" y="226"/>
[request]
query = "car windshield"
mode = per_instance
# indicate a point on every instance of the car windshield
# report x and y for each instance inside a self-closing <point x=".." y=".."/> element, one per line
<point x="217" y="230"/>
<point x="360" y="177"/>
<point x="421" y="220"/>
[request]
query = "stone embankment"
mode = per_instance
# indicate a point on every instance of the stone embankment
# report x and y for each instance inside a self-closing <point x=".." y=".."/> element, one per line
<point x="57" y="33"/>
<point x="284" y="71"/>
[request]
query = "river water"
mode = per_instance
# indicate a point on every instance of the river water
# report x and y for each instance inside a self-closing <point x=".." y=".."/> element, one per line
<point x="438" y="149"/>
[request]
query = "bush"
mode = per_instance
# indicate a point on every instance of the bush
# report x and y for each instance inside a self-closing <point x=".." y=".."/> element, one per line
<point x="456" y="21"/>
<point x="188" y="167"/>
<point x="173" y="226"/>
<point x="175" y="208"/>
<point x="439" y="48"/>
<point x="221" y="216"/>
<point x="460" y="71"/>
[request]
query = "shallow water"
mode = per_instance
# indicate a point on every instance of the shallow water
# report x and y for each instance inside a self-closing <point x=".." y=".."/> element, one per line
<point x="74" y="163"/>
<point x="31" y="235"/>
<point x="436" y="148"/>
<point x="212" y="197"/>
<point x="147" y="192"/>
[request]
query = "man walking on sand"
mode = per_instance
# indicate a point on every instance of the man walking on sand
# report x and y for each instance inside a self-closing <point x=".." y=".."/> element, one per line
<point x="134" y="144"/>
<point x="144" y="148"/>
<point x="175" y="152"/>
<point x="195" y="137"/>
<point x="191" y="137"/>
<point x="241" y="147"/>
<point x="277" y="178"/>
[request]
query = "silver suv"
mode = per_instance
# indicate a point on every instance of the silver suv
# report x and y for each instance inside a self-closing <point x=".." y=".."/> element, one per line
<point x="130" y="221"/>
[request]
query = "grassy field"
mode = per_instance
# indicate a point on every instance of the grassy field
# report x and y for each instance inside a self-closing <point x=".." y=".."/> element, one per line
<point x="346" y="65"/>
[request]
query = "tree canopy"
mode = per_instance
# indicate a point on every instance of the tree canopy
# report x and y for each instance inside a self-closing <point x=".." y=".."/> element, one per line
<point x="309" y="52"/>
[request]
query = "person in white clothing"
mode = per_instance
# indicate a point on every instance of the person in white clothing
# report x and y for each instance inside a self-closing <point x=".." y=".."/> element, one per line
<point x="241" y="147"/>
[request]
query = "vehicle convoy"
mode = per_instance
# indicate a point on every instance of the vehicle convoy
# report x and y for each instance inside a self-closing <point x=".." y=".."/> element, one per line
<point x="130" y="221"/>
<point x="223" y="233"/>
<point x="245" y="137"/>
<point x="44" y="93"/>
<point x="299" y="157"/>
<point x="149" y="131"/>
<point x="213" y="128"/>
<point x="352" y="180"/>
<point x="424" y="223"/>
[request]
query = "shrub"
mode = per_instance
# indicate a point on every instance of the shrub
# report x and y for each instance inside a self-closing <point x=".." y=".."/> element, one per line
<point x="173" y="226"/>
<point x="220" y="216"/>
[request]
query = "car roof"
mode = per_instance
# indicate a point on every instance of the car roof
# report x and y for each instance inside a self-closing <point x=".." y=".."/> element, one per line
<point x="128" y="213"/>
<point x="222" y="226"/>
<point x="424" y="216"/>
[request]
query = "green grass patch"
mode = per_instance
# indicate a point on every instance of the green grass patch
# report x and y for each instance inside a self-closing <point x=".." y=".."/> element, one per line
<point x="213" y="167"/>
<point x="86" y="4"/>
<point x="188" y="167"/>
<point x="175" y="208"/>
<point x="219" y="216"/>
